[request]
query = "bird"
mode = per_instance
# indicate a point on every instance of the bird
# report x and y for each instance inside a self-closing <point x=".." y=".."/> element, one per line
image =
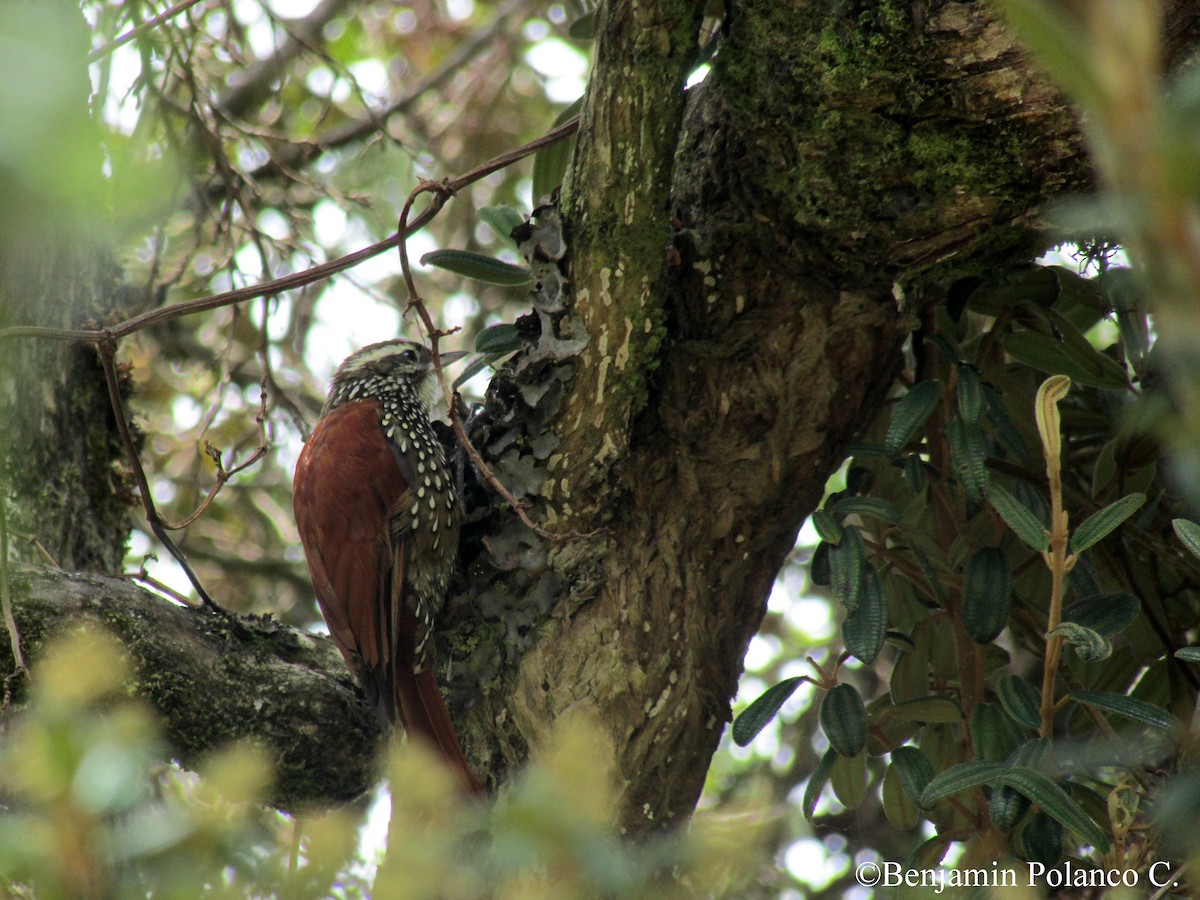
<point x="378" y="515"/>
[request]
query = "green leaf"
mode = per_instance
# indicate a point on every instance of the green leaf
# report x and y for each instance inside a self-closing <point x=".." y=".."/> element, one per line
<point x="754" y="718"/>
<point x="550" y="164"/>
<point x="498" y="339"/>
<point x="1041" y="840"/>
<point x="1129" y="708"/>
<point x="1018" y="517"/>
<point x="1100" y="525"/>
<point x="475" y="364"/>
<point x="1007" y="807"/>
<point x="1054" y="801"/>
<point x="1020" y="700"/>
<point x="1188" y="533"/>
<point x="993" y="737"/>
<point x="927" y="710"/>
<point x="901" y="810"/>
<point x="969" y="393"/>
<point x="864" y="629"/>
<point x="968" y="451"/>
<point x="828" y="528"/>
<point x="583" y="28"/>
<point x="1188" y="654"/>
<point x="816" y="781"/>
<point x="819" y="570"/>
<point x="848" y="778"/>
<point x="843" y="718"/>
<point x="1106" y="614"/>
<point x="1068" y="353"/>
<point x="868" y="506"/>
<point x="914" y="770"/>
<point x="987" y="594"/>
<point x="959" y="778"/>
<point x="1088" y="644"/>
<point x="846" y="563"/>
<point x="477" y="266"/>
<point x="502" y="220"/>
<point x="910" y="413"/>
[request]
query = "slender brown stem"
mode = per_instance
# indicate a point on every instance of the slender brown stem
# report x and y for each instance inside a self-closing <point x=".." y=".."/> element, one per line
<point x="296" y="279"/>
<point x="10" y="621"/>
<point x="107" y="351"/>
<point x="138" y="30"/>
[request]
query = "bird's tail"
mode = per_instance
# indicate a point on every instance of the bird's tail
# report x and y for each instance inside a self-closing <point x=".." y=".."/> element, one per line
<point x="424" y="716"/>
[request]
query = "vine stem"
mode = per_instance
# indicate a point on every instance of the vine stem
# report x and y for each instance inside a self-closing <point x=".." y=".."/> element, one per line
<point x="1057" y="558"/>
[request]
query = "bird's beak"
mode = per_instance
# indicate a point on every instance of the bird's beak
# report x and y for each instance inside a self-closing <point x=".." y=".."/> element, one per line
<point x="451" y="356"/>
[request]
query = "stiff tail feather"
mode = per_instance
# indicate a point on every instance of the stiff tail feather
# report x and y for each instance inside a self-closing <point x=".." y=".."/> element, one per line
<point x="424" y="716"/>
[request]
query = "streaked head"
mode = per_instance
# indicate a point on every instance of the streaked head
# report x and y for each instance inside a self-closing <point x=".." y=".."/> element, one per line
<point x="393" y="364"/>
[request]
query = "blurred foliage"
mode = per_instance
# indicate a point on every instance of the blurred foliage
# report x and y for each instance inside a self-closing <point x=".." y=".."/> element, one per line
<point x="87" y="809"/>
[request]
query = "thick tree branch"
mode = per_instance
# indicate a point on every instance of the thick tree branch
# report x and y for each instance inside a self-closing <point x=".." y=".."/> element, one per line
<point x="216" y="679"/>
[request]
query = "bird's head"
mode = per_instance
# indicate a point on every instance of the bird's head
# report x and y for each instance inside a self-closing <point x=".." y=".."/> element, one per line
<point x="388" y="365"/>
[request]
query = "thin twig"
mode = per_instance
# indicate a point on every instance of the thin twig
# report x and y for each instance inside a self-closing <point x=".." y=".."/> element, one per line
<point x="443" y="191"/>
<point x="296" y="279"/>
<point x="139" y="30"/>
<point x="10" y="621"/>
<point x="107" y="351"/>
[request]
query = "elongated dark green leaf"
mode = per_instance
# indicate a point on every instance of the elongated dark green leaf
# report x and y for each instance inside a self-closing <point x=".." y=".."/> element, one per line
<point x="550" y="164"/>
<point x="1188" y="533"/>
<point x="502" y="220"/>
<point x="969" y="393"/>
<point x="1106" y="614"/>
<point x="477" y="266"/>
<point x="498" y="339"/>
<point x="848" y="778"/>
<point x="1018" y="517"/>
<point x="1020" y="700"/>
<point x="1128" y="707"/>
<point x="816" y="781"/>
<point x="1041" y="840"/>
<point x="863" y="630"/>
<point x="987" y="594"/>
<point x="1101" y="524"/>
<point x="959" y="778"/>
<point x="910" y="413"/>
<point x="1088" y="644"/>
<point x="993" y="737"/>
<point x="1054" y="801"/>
<point x="1033" y="753"/>
<point x="476" y="363"/>
<point x="1007" y="807"/>
<point x="901" y="810"/>
<point x="914" y="770"/>
<point x="843" y="718"/>
<point x="868" y="506"/>
<point x="819" y="571"/>
<point x="846" y="563"/>
<point x="968" y="451"/>
<point x="755" y="717"/>
<point x="828" y="528"/>
<point x="1067" y="353"/>
<point x="926" y="709"/>
<point x="1003" y="425"/>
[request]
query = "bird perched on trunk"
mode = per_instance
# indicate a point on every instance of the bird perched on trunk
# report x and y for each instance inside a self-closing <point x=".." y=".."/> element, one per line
<point x="378" y="515"/>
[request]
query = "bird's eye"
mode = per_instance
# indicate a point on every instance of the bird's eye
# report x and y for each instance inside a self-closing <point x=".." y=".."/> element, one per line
<point x="409" y="356"/>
